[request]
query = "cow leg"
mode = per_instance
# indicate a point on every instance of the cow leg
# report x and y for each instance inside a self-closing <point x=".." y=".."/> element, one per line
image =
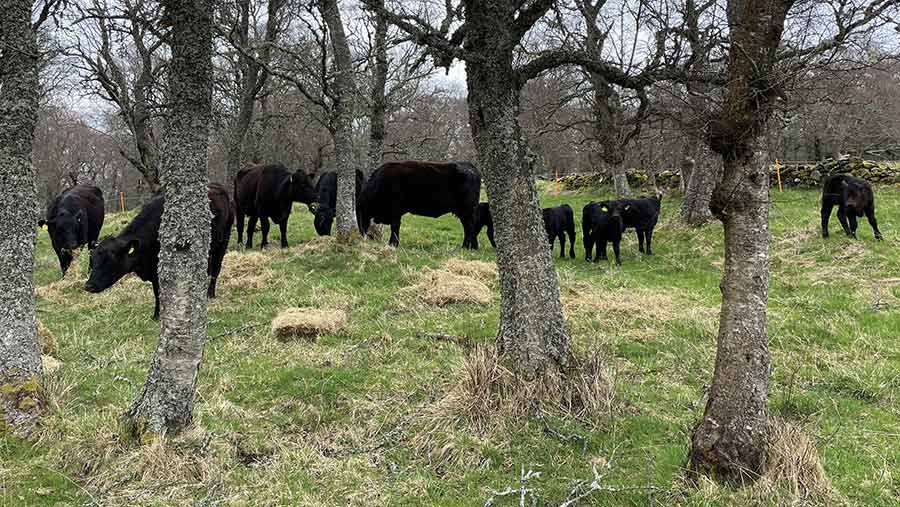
<point x="155" y="298"/>
<point x="648" y="236"/>
<point x="870" y="215"/>
<point x="851" y="217"/>
<point x="826" y="216"/>
<point x="282" y="226"/>
<point x="842" y="217"/>
<point x="468" y="242"/>
<point x="601" y="251"/>
<point x="640" y="237"/>
<point x="588" y="246"/>
<point x="616" y="253"/>
<point x="264" y="222"/>
<point x="395" y="233"/>
<point x="251" y="228"/>
<point x="490" y="233"/>
<point x="572" y="242"/>
<point x="562" y="245"/>
<point x="65" y="260"/>
<point x="239" y="221"/>
<point x="215" y="267"/>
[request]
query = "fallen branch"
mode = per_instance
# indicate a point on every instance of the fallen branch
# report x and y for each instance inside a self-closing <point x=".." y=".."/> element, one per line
<point x="523" y="490"/>
<point x="462" y="341"/>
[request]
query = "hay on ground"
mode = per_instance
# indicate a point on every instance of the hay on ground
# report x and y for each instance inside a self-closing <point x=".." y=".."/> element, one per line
<point x="50" y="363"/>
<point x="484" y="271"/>
<point x="248" y="270"/>
<point x="307" y="322"/>
<point x="440" y="287"/>
<point x="793" y="462"/>
<point x="46" y="340"/>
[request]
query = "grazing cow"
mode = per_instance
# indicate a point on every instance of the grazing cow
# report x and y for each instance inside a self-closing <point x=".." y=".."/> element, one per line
<point x="429" y="189"/>
<point x="602" y="222"/>
<point x="136" y="248"/>
<point x="483" y="219"/>
<point x="269" y="192"/>
<point x="326" y="190"/>
<point x="558" y="221"/>
<point x="642" y="215"/>
<point x="854" y="198"/>
<point x="74" y="219"/>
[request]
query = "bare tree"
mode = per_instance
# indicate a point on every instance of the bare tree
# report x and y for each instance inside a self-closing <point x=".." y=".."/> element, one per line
<point x="166" y="401"/>
<point x="21" y="395"/>
<point x="378" y="99"/>
<point x="117" y="51"/>
<point x="730" y="440"/>
<point x="248" y="71"/>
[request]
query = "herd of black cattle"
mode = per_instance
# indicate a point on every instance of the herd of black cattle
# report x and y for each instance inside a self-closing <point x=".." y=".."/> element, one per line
<point x="268" y="192"/>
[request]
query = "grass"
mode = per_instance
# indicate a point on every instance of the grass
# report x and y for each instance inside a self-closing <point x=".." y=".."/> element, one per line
<point x="348" y="418"/>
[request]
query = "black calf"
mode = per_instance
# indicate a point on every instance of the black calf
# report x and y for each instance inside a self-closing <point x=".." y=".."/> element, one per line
<point x="558" y="221"/>
<point x="854" y="198"/>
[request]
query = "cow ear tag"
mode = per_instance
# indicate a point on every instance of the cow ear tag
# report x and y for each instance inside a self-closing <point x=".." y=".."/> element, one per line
<point x="44" y="227"/>
<point x="131" y="251"/>
<point x="627" y="207"/>
<point x="604" y="209"/>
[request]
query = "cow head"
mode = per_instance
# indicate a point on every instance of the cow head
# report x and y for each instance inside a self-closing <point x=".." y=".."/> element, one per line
<point x="611" y="213"/>
<point x="854" y="196"/>
<point x="323" y="220"/>
<point x="67" y="230"/>
<point x="111" y="259"/>
<point x="302" y="189"/>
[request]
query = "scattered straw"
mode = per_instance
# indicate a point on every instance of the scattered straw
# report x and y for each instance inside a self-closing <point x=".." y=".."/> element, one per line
<point x="440" y="287"/>
<point x="50" y="363"/>
<point x="484" y="271"/>
<point x="307" y="322"/>
<point x="46" y="340"/>
<point x="247" y="270"/>
<point x="793" y="463"/>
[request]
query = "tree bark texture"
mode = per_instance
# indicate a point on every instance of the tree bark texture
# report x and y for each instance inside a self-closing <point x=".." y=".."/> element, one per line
<point x="21" y="395"/>
<point x="532" y="334"/>
<point x="730" y="441"/>
<point x="342" y="125"/>
<point x="166" y="401"/>
<point x="699" y="186"/>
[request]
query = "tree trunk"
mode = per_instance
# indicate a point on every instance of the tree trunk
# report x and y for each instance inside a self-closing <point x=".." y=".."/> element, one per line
<point x="166" y="401"/>
<point x="620" y="181"/>
<point x="697" y="195"/>
<point x="21" y="395"/>
<point x="532" y="335"/>
<point x="379" y="82"/>
<point x="342" y="125"/>
<point x="730" y="439"/>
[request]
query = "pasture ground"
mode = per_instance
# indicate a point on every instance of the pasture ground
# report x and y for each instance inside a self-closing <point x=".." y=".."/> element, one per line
<point x="339" y="420"/>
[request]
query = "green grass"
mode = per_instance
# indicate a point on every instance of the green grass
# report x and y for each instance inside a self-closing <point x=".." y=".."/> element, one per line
<point x="335" y="421"/>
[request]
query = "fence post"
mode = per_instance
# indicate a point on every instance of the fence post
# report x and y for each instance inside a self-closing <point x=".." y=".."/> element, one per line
<point x="122" y="202"/>
<point x="778" y="173"/>
<point x="556" y="182"/>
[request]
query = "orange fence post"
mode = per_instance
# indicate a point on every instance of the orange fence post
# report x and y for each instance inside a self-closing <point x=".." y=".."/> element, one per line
<point x="778" y="173"/>
<point x="122" y="202"/>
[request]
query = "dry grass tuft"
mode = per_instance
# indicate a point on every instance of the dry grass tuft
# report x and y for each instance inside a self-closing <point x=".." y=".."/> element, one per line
<point x="440" y="287"/>
<point x="46" y="340"/>
<point x="485" y="396"/>
<point x="307" y="322"/>
<point x="50" y="364"/>
<point x="244" y="270"/>
<point x="484" y="271"/>
<point x="315" y="245"/>
<point x="793" y="464"/>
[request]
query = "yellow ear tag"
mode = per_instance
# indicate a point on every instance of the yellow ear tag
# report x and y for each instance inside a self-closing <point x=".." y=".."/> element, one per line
<point x="604" y="209"/>
<point x="131" y="251"/>
<point x="627" y="207"/>
<point x="44" y="227"/>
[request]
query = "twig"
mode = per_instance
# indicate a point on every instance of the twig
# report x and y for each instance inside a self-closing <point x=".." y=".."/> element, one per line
<point x="522" y="490"/>
<point x="235" y="331"/>
<point x="462" y="341"/>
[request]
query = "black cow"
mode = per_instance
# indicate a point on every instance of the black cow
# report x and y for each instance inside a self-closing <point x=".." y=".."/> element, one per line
<point x="854" y="198"/>
<point x="483" y="219"/>
<point x="429" y="189"/>
<point x="269" y="192"/>
<point x="136" y="248"/>
<point x="558" y="221"/>
<point x="602" y="222"/>
<point x="326" y="190"/>
<point x="642" y="215"/>
<point x="74" y="219"/>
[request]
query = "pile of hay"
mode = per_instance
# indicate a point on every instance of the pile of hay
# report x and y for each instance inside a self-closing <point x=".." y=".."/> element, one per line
<point x="441" y="287"/>
<point x="307" y="322"/>
<point x="247" y="270"/>
<point x="484" y="271"/>
<point x="792" y="462"/>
